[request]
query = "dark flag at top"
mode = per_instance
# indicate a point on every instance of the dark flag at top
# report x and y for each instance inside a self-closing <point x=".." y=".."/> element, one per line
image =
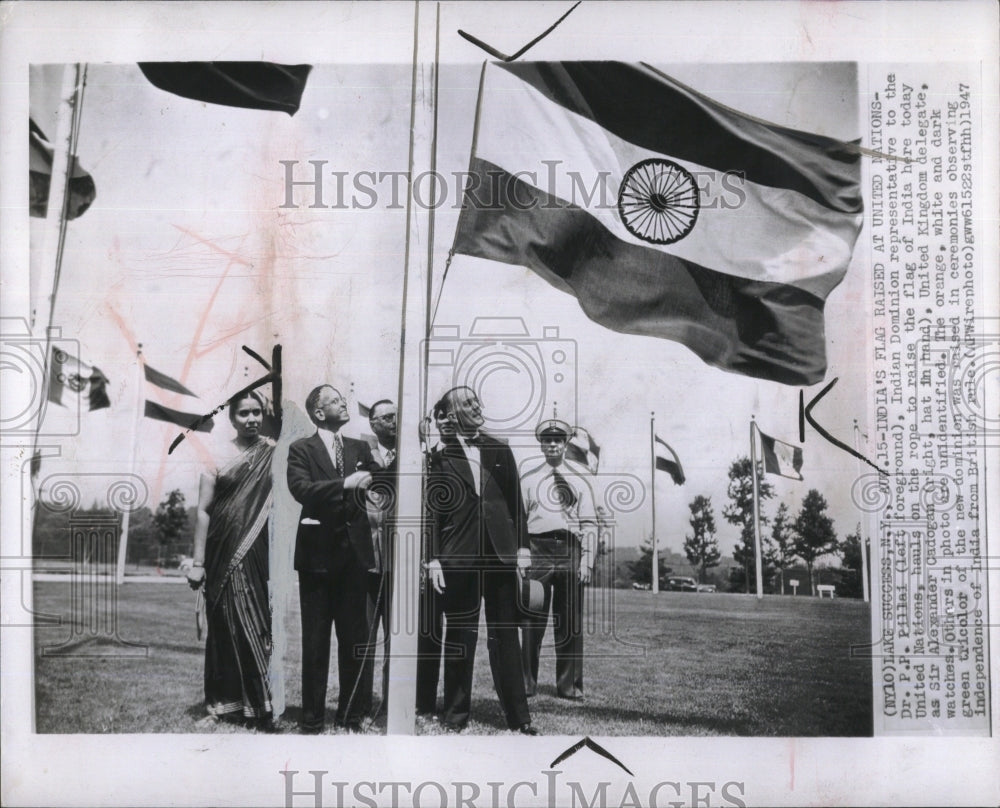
<point x="250" y="85"/>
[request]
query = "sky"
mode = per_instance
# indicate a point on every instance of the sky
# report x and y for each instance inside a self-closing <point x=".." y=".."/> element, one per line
<point x="188" y="251"/>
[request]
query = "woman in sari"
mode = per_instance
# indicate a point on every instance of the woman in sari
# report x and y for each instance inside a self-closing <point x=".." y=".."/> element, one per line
<point x="231" y="562"/>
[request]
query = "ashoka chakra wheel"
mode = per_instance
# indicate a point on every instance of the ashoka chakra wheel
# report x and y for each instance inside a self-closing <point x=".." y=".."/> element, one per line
<point x="658" y="201"/>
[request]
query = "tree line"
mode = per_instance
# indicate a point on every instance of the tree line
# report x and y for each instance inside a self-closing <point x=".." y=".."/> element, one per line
<point x="785" y="539"/>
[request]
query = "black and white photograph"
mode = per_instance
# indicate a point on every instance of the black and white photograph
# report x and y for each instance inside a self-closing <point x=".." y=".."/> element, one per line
<point x="499" y="403"/>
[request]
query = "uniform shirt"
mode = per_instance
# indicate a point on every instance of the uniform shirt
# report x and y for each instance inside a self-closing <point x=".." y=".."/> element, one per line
<point x="546" y="513"/>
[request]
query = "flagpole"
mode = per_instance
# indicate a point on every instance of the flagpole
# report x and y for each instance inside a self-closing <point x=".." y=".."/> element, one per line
<point x="861" y="539"/>
<point x="652" y="490"/>
<point x="758" y="560"/>
<point x="54" y="234"/>
<point x="401" y="713"/>
<point x="126" y="516"/>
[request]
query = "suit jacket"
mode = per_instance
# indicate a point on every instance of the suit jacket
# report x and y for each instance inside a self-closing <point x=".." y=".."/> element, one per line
<point x="465" y="526"/>
<point x="331" y="517"/>
<point x="381" y="505"/>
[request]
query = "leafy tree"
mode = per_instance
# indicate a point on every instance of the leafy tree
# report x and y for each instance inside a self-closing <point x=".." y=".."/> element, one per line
<point x="702" y="549"/>
<point x="814" y="534"/>
<point x="851" y="559"/>
<point x="170" y="522"/>
<point x="641" y="569"/>
<point x="783" y="538"/>
<point x="739" y="512"/>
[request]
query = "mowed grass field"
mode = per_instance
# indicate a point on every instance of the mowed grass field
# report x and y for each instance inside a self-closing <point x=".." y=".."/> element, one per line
<point x="675" y="663"/>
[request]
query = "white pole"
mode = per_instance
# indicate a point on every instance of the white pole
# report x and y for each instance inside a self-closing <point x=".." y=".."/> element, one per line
<point x="401" y="714"/>
<point x="758" y="561"/>
<point x="652" y="490"/>
<point x="126" y="516"/>
<point x="861" y="538"/>
<point x="70" y="101"/>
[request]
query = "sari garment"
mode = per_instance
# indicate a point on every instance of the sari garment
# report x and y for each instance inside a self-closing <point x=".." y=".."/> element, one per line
<point x="238" y="645"/>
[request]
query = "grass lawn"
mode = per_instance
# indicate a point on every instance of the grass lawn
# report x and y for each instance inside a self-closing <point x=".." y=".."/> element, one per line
<point x="675" y="663"/>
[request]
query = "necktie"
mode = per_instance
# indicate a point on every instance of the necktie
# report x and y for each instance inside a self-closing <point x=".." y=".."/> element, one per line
<point x="564" y="491"/>
<point x="338" y="447"/>
<point x="390" y="455"/>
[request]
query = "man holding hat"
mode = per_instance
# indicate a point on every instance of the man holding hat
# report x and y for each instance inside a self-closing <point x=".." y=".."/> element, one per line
<point x="562" y="525"/>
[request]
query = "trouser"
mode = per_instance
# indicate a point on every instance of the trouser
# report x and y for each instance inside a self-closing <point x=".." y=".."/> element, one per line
<point x="430" y="638"/>
<point x="494" y="584"/>
<point x="555" y="563"/>
<point x="342" y="599"/>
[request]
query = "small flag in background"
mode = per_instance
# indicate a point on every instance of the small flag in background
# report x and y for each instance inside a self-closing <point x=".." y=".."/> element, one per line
<point x="363" y="411"/>
<point x="698" y="224"/>
<point x="249" y="85"/>
<point x="781" y="458"/>
<point x="583" y="449"/>
<point x="668" y="461"/>
<point x="160" y="412"/>
<point x="71" y="378"/>
<point x="82" y="190"/>
<point x="164" y="381"/>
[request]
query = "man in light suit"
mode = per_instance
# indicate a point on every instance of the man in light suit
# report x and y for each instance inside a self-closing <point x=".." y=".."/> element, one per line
<point x="479" y="553"/>
<point x="328" y="474"/>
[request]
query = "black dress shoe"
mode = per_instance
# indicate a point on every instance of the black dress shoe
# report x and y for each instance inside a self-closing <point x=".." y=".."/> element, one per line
<point x="353" y="728"/>
<point x="310" y="729"/>
<point x="449" y="727"/>
<point x="527" y="729"/>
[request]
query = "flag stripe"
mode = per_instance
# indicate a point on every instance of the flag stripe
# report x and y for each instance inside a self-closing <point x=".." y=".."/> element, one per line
<point x="742" y="228"/>
<point x="185" y="419"/>
<point x="164" y="381"/>
<point x="625" y="98"/>
<point x="763" y="329"/>
<point x="250" y="85"/>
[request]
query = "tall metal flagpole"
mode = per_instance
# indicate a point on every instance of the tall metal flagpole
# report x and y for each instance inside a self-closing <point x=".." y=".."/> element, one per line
<point x="126" y="516"/>
<point x="652" y="491"/>
<point x="861" y="539"/>
<point x="758" y="560"/>
<point x="401" y="713"/>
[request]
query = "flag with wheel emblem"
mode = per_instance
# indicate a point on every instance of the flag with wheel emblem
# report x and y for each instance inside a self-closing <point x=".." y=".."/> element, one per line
<point x="69" y="378"/>
<point x="663" y="212"/>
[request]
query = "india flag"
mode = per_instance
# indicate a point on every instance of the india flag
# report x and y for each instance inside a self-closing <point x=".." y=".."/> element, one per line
<point x="664" y="213"/>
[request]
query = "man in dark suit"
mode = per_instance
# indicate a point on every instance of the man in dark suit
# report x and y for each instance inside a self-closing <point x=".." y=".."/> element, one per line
<point x="479" y="552"/>
<point x="334" y="558"/>
<point x="381" y="509"/>
<point x="430" y="633"/>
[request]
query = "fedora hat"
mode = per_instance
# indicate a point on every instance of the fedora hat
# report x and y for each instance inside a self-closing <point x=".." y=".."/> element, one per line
<point x="532" y="595"/>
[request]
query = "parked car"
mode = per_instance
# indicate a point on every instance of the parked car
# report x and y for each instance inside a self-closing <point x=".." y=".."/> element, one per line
<point x="644" y="587"/>
<point x="682" y="584"/>
<point x="706" y="588"/>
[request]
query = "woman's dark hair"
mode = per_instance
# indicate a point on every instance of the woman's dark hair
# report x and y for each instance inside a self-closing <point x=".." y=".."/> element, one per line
<point x="234" y="402"/>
